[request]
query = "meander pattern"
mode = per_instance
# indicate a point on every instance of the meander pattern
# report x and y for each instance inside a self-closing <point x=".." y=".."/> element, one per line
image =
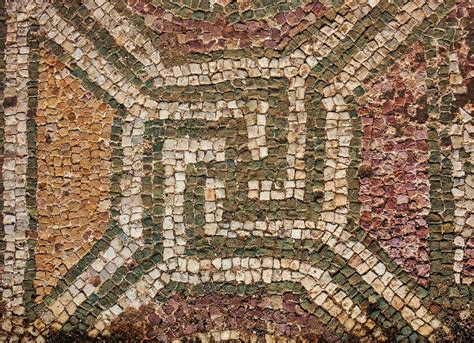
<point x="250" y="170"/>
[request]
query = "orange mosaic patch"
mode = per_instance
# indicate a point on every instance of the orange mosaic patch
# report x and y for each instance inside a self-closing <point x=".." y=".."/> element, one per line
<point x="74" y="165"/>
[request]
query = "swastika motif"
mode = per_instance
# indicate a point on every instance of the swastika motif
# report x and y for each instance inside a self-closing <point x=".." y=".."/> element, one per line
<point x="236" y="170"/>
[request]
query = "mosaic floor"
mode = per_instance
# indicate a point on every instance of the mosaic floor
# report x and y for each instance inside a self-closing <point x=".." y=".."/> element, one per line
<point x="250" y="170"/>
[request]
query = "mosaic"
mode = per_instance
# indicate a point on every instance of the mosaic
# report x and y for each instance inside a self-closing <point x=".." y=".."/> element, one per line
<point x="246" y="171"/>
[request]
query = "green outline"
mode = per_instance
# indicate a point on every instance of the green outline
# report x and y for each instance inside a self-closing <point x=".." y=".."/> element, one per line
<point x="261" y="9"/>
<point x="441" y="218"/>
<point x="31" y="171"/>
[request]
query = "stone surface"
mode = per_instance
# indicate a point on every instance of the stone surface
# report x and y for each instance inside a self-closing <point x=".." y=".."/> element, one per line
<point x="394" y="191"/>
<point x="73" y="156"/>
<point x="236" y="170"/>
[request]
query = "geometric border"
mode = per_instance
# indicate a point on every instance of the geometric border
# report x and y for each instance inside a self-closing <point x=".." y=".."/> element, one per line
<point x="440" y="274"/>
<point x="372" y="243"/>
